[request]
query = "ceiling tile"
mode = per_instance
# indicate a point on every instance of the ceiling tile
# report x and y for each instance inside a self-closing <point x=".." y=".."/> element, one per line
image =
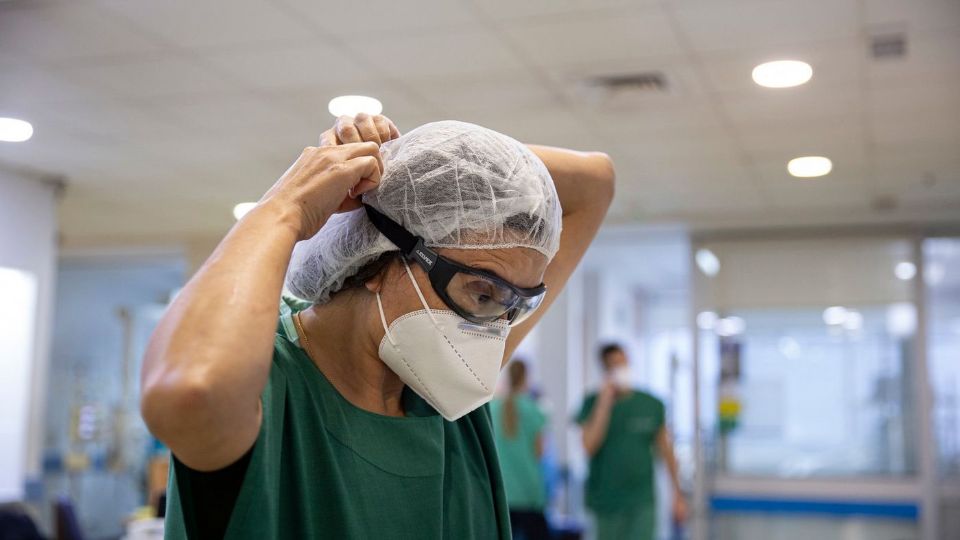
<point x="437" y="54"/>
<point x="306" y="64"/>
<point x="382" y="17"/>
<point x="812" y="106"/>
<point x="200" y="25"/>
<point x="543" y="125"/>
<point x="760" y="24"/>
<point x="507" y="9"/>
<point x="841" y="139"/>
<point x="834" y="64"/>
<point x="496" y="92"/>
<point x="148" y="78"/>
<point x="27" y="84"/>
<point x="930" y="55"/>
<point x="309" y="104"/>
<point x="842" y="187"/>
<point x="916" y="115"/>
<point x="110" y="121"/>
<point x="911" y="15"/>
<point x="658" y="117"/>
<point x="70" y="31"/>
<point x="234" y="113"/>
<point x="587" y="38"/>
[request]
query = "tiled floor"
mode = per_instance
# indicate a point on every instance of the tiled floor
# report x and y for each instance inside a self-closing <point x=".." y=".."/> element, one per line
<point x="797" y="527"/>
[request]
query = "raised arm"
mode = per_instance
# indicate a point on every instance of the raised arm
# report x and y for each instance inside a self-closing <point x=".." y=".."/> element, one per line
<point x="585" y="185"/>
<point x="209" y="357"/>
<point x="594" y="428"/>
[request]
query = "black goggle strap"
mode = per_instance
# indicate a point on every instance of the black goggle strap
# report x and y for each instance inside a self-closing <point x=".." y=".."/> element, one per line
<point x="409" y="244"/>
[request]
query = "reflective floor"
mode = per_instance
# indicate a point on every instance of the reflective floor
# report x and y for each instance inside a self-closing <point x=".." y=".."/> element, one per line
<point x="782" y="527"/>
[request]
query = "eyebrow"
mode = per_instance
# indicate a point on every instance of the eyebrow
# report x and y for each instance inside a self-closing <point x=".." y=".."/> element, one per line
<point x="497" y="274"/>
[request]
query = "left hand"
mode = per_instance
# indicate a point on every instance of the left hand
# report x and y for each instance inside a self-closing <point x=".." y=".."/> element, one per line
<point x="680" y="511"/>
<point x="360" y="128"/>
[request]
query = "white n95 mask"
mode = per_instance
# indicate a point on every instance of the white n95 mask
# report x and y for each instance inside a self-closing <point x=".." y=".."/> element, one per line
<point x="622" y="377"/>
<point x="447" y="360"/>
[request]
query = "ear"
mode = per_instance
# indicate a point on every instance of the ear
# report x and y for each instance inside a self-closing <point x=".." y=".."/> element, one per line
<point x="376" y="282"/>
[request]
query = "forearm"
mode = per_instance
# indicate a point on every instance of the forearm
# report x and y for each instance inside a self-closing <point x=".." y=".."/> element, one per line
<point x="595" y="428"/>
<point x="584" y="180"/>
<point x="209" y="357"/>
<point x="665" y="447"/>
<point x="585" y="185"/>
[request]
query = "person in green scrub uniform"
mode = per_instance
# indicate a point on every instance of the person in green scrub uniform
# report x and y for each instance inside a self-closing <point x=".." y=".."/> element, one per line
<point x="622" y="427"/>
<point x="518" y="426"/>
<point x="358" y="409"/>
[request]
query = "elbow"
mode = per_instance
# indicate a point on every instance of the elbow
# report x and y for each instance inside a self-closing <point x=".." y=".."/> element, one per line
<point x="605" y="176"/>
<point x="588" y="446"/>
<point x="174" y="404"/>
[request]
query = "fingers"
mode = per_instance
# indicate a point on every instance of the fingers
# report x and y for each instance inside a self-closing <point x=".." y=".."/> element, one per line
<point x="394" y="132"/>
<point x="328" y="138"/>
<point x="365" y="149"/>
<point x="346" y="130"/>
<point x="363" y="175"/>
<point x="361" y="128"/>
<point x="367" y="128"/>
<point x="383" y="127"/>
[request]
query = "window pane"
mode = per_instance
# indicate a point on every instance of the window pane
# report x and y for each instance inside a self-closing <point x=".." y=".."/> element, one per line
<point x="942" y="277"/>
<point x="807" y="349"/>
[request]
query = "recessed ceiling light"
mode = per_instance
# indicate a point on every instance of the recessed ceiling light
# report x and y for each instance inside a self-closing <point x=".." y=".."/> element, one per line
<point x="782" y="73"/>
<point x="905" y="270"/>
<point x="352" y="105"/>
<point x="241" y="209"/>
<point x="706" y="320"/>
<point x="809" y="166"/>
<point x="15" y="130"/>
<point x="835" y="315"/>
<point x="708" y="263"/>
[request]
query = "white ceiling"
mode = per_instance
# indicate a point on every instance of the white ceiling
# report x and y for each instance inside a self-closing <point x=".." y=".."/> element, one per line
<point x="162" y="115"/>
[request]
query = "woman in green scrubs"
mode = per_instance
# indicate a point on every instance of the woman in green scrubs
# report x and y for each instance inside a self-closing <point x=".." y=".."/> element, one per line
<point x="518" y="424"/>
<point x="360" y="414"/>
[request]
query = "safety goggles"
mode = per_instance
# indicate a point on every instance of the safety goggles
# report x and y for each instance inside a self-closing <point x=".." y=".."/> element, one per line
<point x="476" y="295"/>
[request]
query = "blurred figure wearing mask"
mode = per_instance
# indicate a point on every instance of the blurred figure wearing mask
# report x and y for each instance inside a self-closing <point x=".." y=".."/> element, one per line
<point x="621" y="427"/>
<point x="518" y="425"/>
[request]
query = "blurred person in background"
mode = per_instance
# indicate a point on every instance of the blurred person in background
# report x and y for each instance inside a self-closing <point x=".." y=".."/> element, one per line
<point x="621" y="427"/>
<point x="518" y="426"/>
<point x="419" y="263"/>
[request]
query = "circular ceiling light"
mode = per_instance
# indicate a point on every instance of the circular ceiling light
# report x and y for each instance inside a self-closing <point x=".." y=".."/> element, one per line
<point x="809" y="166"/>
<point x="782" y="73"/>
<point x="905" y="270"/>
<point x="15" y="130"/>
<point x="708" y="262"/>
<point x="241" y="209"/>
<point x="353" y="105"/>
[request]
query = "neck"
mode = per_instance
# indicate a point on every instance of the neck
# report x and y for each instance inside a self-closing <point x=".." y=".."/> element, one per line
<point x="340" y="344"/>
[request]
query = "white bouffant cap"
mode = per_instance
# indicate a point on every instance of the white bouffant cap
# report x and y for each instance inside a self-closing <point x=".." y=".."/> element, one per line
<point x="456" y="185"/>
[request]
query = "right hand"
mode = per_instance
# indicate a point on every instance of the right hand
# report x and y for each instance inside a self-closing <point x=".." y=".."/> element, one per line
<point x="360" y="128"/>
<point x="608" y="392"/>
<point x="324" y="181"/>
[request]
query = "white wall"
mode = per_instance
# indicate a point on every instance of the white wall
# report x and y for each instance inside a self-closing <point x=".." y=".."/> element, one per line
<point x="28" y="247"/>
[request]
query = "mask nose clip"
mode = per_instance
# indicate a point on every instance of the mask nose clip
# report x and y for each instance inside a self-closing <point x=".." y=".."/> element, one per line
<point x="492" y="331"/>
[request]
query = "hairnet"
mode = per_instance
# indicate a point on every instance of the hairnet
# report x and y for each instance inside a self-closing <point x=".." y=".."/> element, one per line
<point x="456" y="185"/>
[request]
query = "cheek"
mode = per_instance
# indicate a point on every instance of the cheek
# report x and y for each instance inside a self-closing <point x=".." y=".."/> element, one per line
<point x="400" y="298"/>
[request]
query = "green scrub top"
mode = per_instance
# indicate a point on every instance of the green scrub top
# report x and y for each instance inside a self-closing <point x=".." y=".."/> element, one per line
<point x="323" y="468"/>
<point x="621" y="471"/>
<point x="519" y="462"/>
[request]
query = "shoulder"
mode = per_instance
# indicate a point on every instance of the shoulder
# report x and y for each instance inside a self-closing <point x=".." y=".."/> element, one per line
<point x="647" y="399"/>
<point x="530" y="405"/>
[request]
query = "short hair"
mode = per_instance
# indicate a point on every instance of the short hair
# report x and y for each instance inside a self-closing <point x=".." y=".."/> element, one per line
<point x="607" y="349"/>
